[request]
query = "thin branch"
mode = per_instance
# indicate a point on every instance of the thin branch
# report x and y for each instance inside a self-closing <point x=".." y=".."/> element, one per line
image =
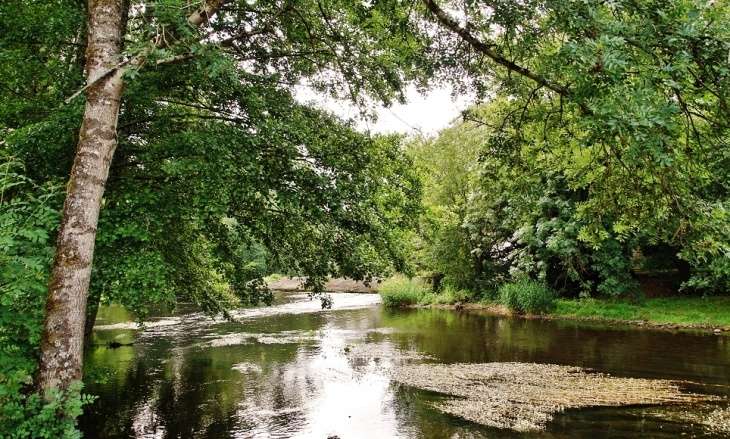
<point x="264" y="29"/>
<point x="451" y="24"/>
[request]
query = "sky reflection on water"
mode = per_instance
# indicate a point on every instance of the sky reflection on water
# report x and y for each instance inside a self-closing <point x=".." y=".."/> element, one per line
<point x="294" y="370"/>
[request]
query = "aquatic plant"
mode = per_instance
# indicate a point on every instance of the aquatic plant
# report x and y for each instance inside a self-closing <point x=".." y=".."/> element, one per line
<point x="718" y="421"/>
<point x="523" y="397"/>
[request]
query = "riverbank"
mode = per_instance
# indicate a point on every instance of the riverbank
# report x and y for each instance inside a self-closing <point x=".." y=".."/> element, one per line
<point x="708" y="313"/>
<point x="674" y="312"/>
<point x="294" y="284"/>
<point x="667" y="312"/>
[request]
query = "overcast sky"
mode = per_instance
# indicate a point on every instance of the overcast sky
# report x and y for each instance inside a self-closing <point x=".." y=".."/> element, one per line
<point x="426" y="115"/>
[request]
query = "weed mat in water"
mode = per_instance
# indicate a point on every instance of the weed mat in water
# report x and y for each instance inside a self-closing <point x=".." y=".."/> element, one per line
<point x="523" y="396"/>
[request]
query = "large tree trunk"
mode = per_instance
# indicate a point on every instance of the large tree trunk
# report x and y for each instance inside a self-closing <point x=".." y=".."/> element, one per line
<point x="63" y="333"/>
<point x="62" y="342"/>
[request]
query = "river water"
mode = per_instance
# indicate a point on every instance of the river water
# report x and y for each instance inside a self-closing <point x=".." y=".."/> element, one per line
<point x="295" y="371"/>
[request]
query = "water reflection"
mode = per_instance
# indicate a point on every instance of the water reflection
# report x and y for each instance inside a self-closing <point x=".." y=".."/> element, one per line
<point x="293" y="370"/>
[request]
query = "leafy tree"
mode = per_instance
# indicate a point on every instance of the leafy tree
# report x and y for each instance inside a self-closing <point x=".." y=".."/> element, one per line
<point x="213" y="155"/>
<point x="611" y="110"/>
<point x="449" y="165"/>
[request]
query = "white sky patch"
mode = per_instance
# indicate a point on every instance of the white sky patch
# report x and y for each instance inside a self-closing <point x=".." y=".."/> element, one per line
<point x="421" y="114"/>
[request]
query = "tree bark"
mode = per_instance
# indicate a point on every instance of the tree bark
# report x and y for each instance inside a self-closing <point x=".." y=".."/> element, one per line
<point x="63" y="333"/>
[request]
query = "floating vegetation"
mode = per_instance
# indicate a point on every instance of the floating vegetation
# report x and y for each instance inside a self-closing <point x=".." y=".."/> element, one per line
<point x="241" y="338"/>
<point x="719" y="421"/>
<point x="135" y="325"/>
<point x="382" y="351"/>
<point x="247" y="367"/>
<point x="523" y="397"/>
<point x="713" y="419"/>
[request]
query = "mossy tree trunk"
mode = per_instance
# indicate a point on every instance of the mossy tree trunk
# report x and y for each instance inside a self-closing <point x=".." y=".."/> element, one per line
<point x="62" y="342"/>
<point x="63" y="333"/>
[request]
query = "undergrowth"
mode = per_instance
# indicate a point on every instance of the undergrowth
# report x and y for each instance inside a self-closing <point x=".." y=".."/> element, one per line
<point x="401" y="291"/>
<point x="527" y="296"/>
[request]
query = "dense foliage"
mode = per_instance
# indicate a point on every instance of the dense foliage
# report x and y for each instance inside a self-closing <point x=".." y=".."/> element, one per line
<point x="319" y="197"/>
<point x="28" y="219"/>
<point x="603" y="143"/>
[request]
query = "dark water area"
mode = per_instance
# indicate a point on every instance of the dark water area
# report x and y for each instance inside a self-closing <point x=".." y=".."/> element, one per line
<point x="295" y="371"/>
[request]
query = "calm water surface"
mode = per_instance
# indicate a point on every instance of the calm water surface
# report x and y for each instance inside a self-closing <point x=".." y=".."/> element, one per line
<point x="295" y="371"/>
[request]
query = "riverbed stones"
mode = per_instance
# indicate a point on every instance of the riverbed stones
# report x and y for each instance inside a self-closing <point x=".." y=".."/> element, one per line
<point x="524" y="396"/>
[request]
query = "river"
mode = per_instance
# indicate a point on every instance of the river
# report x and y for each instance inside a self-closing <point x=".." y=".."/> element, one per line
<point x="295" y="371"/>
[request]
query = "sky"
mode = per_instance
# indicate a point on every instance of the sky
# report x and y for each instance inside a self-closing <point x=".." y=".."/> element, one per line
<point x="424" y="115"/>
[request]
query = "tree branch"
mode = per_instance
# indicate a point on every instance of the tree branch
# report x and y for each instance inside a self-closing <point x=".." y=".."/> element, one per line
<point x="451" y="24"/>
<point x="196" y="19"/>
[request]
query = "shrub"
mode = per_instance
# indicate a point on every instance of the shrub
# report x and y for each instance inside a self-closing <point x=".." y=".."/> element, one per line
<point x="527" y="296"/>
<point x="272" y="278"/>
<point x="28" y="221"/>
<point x="447" y="295"/>
<point x="401" y="291"/>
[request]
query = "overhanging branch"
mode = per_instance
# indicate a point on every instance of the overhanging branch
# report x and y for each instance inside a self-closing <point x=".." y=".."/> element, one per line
<point x="448" y="22"/>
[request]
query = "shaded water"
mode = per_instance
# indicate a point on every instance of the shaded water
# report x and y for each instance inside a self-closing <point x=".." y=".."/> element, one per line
<point x="293" y="370"/>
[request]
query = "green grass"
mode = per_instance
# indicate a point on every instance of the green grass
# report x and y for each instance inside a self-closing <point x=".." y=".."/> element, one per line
<point x="272" y="278"/>
<point x="676" y="310"/>
<point x="527" y="296"/>
<point x="447" y="296"/>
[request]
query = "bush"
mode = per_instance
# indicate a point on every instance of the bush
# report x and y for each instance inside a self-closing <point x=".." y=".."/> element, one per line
<point x="447" y="295"/>
<point x="272" y="278"/>
<point x="28" y="221"/>
<point x="401" y="291"/>
<point x="527" y="296"/>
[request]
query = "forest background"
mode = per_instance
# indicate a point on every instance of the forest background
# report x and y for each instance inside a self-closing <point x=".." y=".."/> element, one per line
<point x="599" y="150"/>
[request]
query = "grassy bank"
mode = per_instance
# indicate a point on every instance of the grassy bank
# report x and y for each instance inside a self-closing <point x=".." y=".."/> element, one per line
<point x="681" y="311"/>
<point x="401" y="291"/>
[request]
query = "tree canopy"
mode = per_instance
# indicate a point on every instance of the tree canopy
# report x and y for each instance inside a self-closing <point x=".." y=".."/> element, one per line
<point x="208" y="156"/>
<point x="605" y="135"/>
